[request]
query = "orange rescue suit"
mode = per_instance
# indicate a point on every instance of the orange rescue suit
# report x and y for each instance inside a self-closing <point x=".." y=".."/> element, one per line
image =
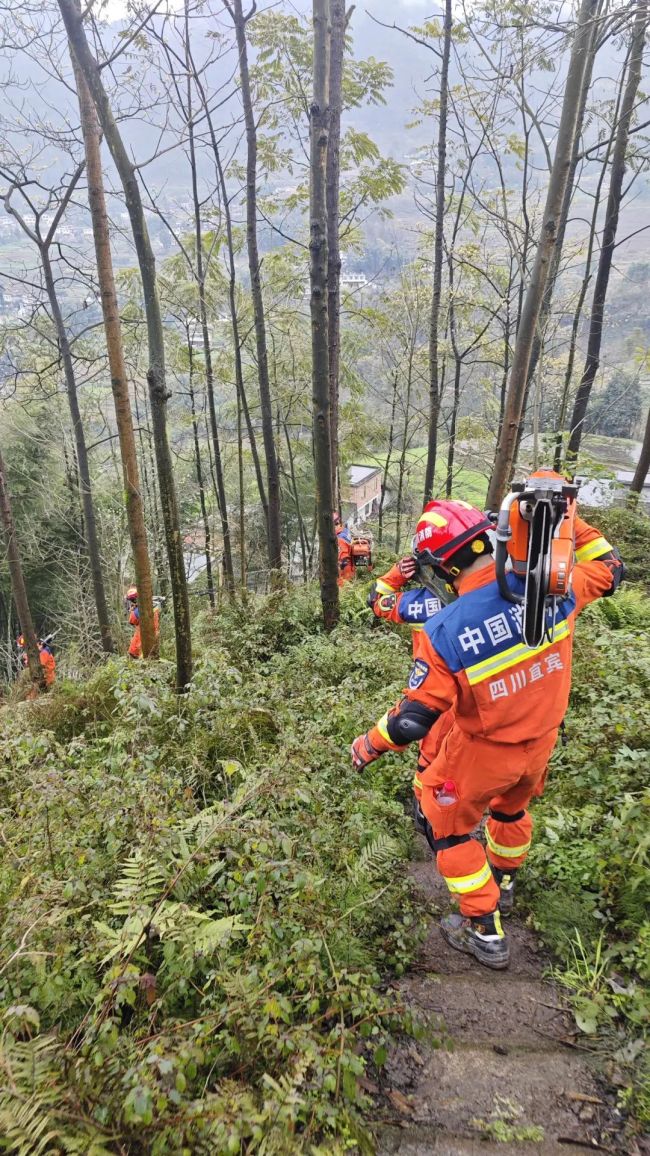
<point x="135" y="649"/>
<point x="49" y="665"/>
<point x="346" y="565"/>
<point x="501" y="704"/>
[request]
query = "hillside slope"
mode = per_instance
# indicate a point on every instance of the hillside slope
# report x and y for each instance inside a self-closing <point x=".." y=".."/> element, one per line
<point x="203" y="907"/>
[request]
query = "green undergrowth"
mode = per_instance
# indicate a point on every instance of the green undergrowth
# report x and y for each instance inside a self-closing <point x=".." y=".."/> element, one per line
<point x="201" y="904"/>
<point x="587" y="880"/>
<point x="200" y="901"/>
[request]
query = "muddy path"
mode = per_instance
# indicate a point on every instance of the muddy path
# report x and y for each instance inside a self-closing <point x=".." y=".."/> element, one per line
<point x="498" y="1068"/>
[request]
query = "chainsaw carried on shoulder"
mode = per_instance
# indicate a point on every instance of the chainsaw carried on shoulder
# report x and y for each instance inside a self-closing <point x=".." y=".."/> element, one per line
<point x="535" y="530"/>
<point x="361" y="553"/>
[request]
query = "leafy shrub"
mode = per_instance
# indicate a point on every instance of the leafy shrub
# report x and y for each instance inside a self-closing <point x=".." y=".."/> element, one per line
<point x="630" y="531"/>
<point x="588" y="875"/>
<point x="200" y="897"/>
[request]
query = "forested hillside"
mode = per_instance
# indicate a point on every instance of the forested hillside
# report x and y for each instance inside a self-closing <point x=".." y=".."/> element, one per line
<point x="286" y="293"/>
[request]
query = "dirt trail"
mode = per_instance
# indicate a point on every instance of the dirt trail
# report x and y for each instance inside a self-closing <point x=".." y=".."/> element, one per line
<point x="491" y="1073"/>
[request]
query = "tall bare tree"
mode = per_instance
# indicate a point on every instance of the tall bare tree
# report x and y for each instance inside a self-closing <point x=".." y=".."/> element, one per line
<point x="200" y="274"/>
<point x="156" y="379"/>
<point x="274" y="535"/>
<point x="119" y="377"/>
<point x="438" y="256"/>
<point x="564" y="147"/>
<point x="338" y="24"/>
<point x="319" y="127"/>
<point x="608" y="242"/>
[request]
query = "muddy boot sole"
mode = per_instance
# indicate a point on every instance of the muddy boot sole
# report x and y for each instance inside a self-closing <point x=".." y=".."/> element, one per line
<point x="471" y="947"/>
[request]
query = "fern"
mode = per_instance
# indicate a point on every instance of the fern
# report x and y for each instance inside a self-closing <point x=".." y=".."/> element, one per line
<point x="142" y="882"/>
<point x="32" y="1102"/>
<point x="375" y="857"/>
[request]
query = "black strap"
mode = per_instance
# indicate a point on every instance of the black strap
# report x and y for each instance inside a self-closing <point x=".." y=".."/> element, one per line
<point x="437" y="845"/>
<point x="502" y="817"/>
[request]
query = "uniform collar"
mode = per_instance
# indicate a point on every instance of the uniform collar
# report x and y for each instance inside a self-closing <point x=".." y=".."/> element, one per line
<point x="481" y="577"/>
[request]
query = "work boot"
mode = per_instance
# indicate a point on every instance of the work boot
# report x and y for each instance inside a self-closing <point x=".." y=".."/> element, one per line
<point x="481" y="936"/>
<point x="506" y="881"/>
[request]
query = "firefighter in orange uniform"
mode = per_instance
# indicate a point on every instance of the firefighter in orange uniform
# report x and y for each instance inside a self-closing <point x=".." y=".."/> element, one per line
<point x="344" y="542"/>
<point x="47" y="661"/>
<point x="506" y="702"/>
<point x="135" y="648"/>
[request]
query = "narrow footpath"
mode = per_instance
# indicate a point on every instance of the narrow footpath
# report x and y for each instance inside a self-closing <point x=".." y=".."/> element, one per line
<point x="498" y="1068"/>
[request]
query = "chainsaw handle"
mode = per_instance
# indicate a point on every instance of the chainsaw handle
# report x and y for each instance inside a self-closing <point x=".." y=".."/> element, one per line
<point x="503" y="534"/>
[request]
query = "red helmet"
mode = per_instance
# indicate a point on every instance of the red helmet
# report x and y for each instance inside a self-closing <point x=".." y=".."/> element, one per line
<point x="443" y="529"/>
<point x="132" y="594"/>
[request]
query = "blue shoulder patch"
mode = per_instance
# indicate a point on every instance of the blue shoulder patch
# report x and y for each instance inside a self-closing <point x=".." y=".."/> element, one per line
<point x="419" y="672"/>
<point x="419" y="605"/>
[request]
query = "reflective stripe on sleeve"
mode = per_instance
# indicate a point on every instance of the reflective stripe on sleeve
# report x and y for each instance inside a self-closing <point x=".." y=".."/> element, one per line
<point x="383" y="587"/>
<point x="592" y="550"/>
<point x="382" y="727"/>
<point x="505" y="852"/>
<point x="463" y="884"/>
<point x="418" y="783"/>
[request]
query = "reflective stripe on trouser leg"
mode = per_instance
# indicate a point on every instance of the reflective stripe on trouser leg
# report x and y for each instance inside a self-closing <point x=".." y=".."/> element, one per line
<point x="508" y="843"/>
<point x="467" y="874"/>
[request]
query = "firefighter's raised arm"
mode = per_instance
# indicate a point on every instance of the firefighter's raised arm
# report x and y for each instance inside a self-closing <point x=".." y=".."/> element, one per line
<point x="388" y="599"/>
<point x="599" y="569"/>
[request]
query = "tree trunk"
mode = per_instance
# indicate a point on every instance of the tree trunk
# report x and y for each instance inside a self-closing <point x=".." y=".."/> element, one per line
<point x="389" y="454"/>
<point x="205" y="332"/>
<point x="337" y="47"/>
<point x="272" y="474"/>
<point x="451" y="448"/>
<point x="319" y="120"/>
<point x="505" y="456"/>
<point x="156" y="374"/>
<point x="150" y="496"/>
<point x="199" y="475"/>
<point x="296" y="497"/>
<point x="18" y="587"/>
<point x="506" y="358"/>
<point x="119" y="378"/>
<point x="577" y="314"/>
<point x="242" y="400"/>
<point x="413" y="337"/>
<point x="85" y="488"/>
<point x="643" y="465"/>
<point x="434" y="368"/>
<point x="608" y="242"/>
<point x="566" y="202"/>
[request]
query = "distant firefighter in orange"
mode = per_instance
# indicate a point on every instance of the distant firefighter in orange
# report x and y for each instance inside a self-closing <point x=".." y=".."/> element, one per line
<point x="135" y="648"/>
